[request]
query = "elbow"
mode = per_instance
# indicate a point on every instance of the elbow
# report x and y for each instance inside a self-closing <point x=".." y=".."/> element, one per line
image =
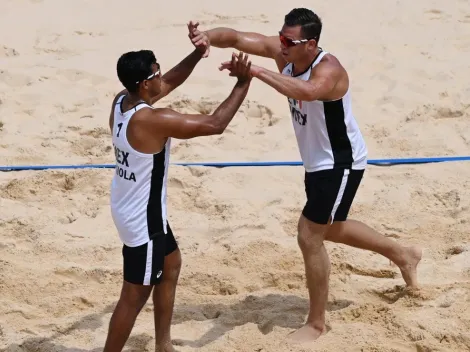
<point x="309" y="94"/>
<point x="310" y="97"/>
<point x="213" y="128"/>
<point x="218" y="129"/>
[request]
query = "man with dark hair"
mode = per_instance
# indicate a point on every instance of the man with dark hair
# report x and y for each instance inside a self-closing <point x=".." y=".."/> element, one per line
<point x="141" y="138"/>
<point x="331" y="145"/>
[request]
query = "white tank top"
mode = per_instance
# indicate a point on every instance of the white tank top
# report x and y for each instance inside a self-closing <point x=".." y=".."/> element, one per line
<point x="327" y="133"/>
<point x="138" y="189"/>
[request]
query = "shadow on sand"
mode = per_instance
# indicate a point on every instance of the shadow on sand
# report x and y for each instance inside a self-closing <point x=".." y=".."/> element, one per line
<point x="265" y="311"/>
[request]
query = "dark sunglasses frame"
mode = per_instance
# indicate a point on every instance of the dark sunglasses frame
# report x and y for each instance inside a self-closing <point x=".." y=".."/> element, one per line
<point x="157" y="73"/>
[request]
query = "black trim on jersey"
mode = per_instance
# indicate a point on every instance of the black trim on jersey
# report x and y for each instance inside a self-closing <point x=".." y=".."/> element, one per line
<point x="134" y="107"/>
<point x="154" y="205"/>
<point x="309" y="67"/>
<point x="337" y="132"/>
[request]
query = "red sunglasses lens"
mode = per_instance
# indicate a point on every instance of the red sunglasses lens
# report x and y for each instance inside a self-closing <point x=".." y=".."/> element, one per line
<point x="286" y="41"/>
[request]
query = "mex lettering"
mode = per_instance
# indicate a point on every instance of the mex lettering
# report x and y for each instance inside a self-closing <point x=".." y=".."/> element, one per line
<point x="122" y="165"/>
<point x="297" y="115"/>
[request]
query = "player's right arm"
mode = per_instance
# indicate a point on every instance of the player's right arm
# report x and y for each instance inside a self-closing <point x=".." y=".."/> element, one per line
<point x="170" y="123"/>
<point x="248" y="42"/>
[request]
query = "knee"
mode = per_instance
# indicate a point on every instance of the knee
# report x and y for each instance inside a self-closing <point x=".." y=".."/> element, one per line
<point x="135" y="298"/>
<point x="309" y="241"/>
<point x="173" y="266"/>
<point x="310" y="236"/>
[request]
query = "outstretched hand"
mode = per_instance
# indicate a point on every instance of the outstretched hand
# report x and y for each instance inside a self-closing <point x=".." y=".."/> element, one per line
<point x="239" y="65"/>
<point x="198" y="38"/>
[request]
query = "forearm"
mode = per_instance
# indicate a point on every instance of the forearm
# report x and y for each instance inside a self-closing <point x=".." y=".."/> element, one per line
<point x="178" y="74"/>
<point x="222" y="37"/>
<point x="289" y="86"/>
<point x="229" y="107"/>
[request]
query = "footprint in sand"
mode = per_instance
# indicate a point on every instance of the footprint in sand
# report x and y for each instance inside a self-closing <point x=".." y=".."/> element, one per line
<point x="423" y="112"/>
<point x="261" y="113"/>
<point x="456" y="250"/>
<point x="380" y="274"/>
<point x="15" y="79"/>
<point x="8" y="52"/>
<point x="466" y="19"/>
<point x="435" y="14"/>
<point x="49" y="44"/>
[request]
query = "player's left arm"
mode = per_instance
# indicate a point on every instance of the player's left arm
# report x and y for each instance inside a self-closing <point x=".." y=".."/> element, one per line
<point x="321" y="84"/>
<point x="178" y="74"/>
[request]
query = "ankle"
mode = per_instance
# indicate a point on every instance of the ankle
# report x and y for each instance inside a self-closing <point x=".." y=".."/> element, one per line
<point x="317" y="324"/>
<point x="400" y="256"/>
<point x="164" y="345"/>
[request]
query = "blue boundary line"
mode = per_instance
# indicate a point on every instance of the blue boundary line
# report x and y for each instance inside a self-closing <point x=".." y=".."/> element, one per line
<point x="379" y="162"/>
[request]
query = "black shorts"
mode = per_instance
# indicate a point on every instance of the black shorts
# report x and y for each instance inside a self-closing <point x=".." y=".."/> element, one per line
<point x="330" y="194"/>
<point x="143" y="265"/>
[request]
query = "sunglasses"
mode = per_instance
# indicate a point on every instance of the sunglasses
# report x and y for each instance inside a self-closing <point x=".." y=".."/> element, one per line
<point x="290" y="42"/>
<point x="156" y="73"/>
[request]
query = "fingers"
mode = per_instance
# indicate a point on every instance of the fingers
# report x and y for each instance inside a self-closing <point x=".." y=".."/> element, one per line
<point x="192" y="25"/>
<point x="234" y="60"/>
<point x="197" y="37"/>
<point x="248" y="67"/>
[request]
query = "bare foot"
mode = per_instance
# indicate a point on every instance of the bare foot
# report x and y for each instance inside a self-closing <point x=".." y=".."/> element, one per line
<point x="408" y="270"/>
<point x="306" y="333"/>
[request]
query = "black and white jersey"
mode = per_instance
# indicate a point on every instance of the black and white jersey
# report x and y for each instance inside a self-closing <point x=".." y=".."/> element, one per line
<point x="138" y="190"/>
<point x="327" y="133"/>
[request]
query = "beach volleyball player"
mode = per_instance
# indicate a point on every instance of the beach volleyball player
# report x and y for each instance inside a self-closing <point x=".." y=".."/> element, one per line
<point x="331" y="146"/>
<point x="141" y="138"/>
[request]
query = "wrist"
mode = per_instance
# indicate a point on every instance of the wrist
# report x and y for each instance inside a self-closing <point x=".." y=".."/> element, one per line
<point x="198" y="53"/>
<point x="243" y="82"/>
<point x="256" y="71"/>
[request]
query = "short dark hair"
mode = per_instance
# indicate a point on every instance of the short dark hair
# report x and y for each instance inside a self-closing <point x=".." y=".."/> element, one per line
<point x="135" y="66"/>
<point x="308" y="20"/>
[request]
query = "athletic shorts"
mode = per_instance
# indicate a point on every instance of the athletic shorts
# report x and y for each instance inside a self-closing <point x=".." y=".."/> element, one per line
<point x="143" y="265"/>
<point x="330" y="194"/>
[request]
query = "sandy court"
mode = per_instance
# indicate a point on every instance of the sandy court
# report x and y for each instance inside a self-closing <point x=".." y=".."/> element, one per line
<point x="242" y="286"/>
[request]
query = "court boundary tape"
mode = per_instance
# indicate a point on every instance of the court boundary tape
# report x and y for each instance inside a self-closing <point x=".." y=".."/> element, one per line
<point x="378" y="162"/>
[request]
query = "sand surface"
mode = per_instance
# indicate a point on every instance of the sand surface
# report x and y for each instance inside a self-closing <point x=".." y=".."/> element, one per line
<point x="242" y="285"/>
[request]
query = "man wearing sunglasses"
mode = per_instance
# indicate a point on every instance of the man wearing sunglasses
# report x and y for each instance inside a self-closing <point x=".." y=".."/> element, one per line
<point x="141" y="138"/>
<point x="331" y="145"/>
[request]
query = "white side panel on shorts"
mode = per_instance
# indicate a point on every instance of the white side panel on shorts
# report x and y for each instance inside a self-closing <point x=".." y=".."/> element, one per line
<point x="339" y="197"/>
<point x="148" y="266"/>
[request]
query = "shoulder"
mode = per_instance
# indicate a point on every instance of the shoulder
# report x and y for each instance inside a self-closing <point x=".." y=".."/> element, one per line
<point x="150" y="116"/>
<point x="329" y="67"/>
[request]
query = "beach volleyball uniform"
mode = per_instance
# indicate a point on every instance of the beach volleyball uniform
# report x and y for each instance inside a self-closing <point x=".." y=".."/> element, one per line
<point x="138" y="203"/>
<point x="332" y="149"/>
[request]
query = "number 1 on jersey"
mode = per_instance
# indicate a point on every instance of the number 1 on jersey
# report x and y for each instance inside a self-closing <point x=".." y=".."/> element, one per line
<point x="119" y="129"/>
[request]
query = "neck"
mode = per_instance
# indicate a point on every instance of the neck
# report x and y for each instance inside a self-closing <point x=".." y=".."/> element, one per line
<point x="301" y="65"/>
<point x="134" y="98"/>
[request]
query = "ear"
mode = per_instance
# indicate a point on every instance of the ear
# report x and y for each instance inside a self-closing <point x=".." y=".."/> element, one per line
<point x="312" y="44"/>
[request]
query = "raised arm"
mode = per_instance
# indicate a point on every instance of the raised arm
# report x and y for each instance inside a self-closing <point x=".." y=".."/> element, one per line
<point x="169" y="123"/>
<point x="178" y="74"/>
<point x="248" y="42"/>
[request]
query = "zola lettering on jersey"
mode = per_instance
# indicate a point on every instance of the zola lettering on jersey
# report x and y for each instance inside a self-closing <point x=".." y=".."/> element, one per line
<point x="296" y="114"/>
<point x="122" y="161"/>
